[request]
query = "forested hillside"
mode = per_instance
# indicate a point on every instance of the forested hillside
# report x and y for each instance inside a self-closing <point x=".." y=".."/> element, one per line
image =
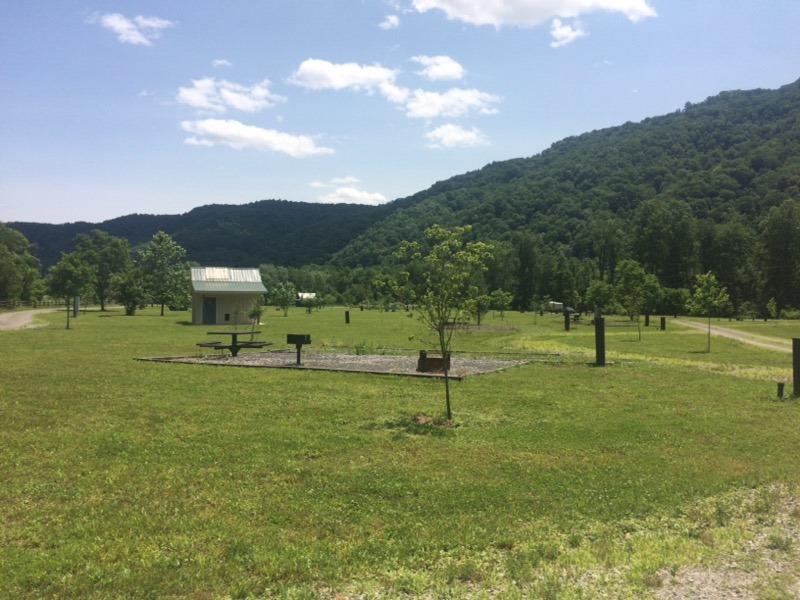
<point x="735" y="155"/>
<point x="712" y="187"/>
<point x="288" y="233"/>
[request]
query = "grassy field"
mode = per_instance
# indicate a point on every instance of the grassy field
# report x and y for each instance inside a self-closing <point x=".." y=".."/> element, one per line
<point x="127" y="479"/>
<point x="778" y="328"/>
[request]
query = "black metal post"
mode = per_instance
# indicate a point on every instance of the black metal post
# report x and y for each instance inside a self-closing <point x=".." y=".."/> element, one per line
<point x="347" y="317"/>
<point x="780" y="390"/>
<point x="298" y="346"/>
<point x="796" y="367"/>
<point x="600" y="341"/>
<point x="647" y="320"/>
<point x="663" y="324"/>
<point x="566" y="321"/>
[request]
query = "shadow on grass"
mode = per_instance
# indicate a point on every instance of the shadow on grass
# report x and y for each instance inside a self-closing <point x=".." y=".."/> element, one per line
<point x="419" y="424"/>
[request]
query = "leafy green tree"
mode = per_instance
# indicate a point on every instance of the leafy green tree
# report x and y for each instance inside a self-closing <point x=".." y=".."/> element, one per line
<point x="106" y="255"/>
<point x="708" y="299"/>
<point x="500" y="300"/>
<point x="282" y="295"/>
<point x="664" y="239"/>
<point x="635" y="289"/>
<point x="68" y="278"/>
<point x="780" y="239"/>
<point x="478" y="305"/>
<point x="19" y="269"/>
<point x="128" y="289"/>
<point x="448" y="269"/>
<point x="164" y="269"/>
<point x="600" y="296"/>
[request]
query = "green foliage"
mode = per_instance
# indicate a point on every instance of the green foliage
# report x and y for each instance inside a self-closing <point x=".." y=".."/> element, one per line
<point x="68" y="278"/>
<point x="164" y="269"/>
<point x="600" y="296"/>
<point x="440" y="283"/>
<point x="19" y="269"/>
<point x="107" y="256"/>
<point x="282" y="295"/>
<point x="637" y="291"/>
<point x="500" y="300"/>
<point x="709" y="299"/>
<point x="128" y="289"/>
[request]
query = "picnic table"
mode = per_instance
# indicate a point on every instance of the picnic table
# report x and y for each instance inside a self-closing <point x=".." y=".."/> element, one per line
<point x="235" y="345"/>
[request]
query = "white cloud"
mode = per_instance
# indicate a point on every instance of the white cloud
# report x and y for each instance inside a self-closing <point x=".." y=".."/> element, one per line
<point x="453" y="136"/>
<point x="439" y="68"/>
<point x="221" y="62"/>
<point x="335" y="181"/>
<point x="317" y="74"/>
<point x="390" y="22"/>
<point x="237" y="135"/>
<point x="138" y="31"/>
<point x="219" y="95"/>
<point x="455" y="102"/>
<point x="528" y="13"/>
<point x="564" y="33"/>
<point x="352" y="195"/>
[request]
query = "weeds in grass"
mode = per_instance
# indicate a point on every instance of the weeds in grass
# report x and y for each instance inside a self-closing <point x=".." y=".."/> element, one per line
<point x="778" y="541"/>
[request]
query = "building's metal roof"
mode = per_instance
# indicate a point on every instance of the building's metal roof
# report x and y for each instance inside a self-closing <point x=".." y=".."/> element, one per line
<point x="224" y="279"/>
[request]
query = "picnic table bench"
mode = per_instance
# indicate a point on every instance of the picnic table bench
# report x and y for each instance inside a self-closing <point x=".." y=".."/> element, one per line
<point x="235" y="345"/>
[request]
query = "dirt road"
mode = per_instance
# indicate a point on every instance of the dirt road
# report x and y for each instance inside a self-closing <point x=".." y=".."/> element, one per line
<point x="20" y="319"/>
<point x="760" y="341"/>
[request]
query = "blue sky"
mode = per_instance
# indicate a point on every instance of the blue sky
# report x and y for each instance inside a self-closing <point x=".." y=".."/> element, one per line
<point x="109" y="108"/>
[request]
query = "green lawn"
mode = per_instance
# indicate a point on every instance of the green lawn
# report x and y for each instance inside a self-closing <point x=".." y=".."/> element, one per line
<point x="778" y="328"/>
<point x="122" y="478"/>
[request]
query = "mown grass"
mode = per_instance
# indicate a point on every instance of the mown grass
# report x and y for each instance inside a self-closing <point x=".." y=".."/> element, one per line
<point x="131" y="479"/>
<point x="777" y="328"/>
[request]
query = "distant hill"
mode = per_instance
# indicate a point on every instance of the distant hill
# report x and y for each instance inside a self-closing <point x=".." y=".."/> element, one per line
<point x="733" y="156"/>
<point x="276" y="231"/>
<point x="737" y="153"/>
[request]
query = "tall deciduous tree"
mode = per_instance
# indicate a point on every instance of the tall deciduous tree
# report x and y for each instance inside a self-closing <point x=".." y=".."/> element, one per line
<point x="19" y="269"/>
<point x="781" y="242"/>
<point x="68" y="277"/>
<point x="635" y="290"/>
<point x="708" y="299"/>
<point x="448" y="268"/>
<point x="107" y="256"/>
<point x="162" y="263"/>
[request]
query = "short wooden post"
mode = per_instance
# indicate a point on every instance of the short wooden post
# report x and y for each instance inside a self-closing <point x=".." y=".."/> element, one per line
<point x="796" y="367"/>
<point x="663" y="326"/>
<point x="566" y="321"/>
<point x="347" y="317"/>
<point x="600" y="341"/>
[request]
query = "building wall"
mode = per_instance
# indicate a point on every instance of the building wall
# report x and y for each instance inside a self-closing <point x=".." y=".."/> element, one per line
<point x="236" y="306"/>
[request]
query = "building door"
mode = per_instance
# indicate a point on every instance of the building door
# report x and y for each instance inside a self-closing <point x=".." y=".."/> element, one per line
<point x="209" y="311"/>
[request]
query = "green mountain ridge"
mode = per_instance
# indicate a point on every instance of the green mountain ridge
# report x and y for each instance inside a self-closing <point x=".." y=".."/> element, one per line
<point x="737" y="153"/>
<point x="731" y="157"/>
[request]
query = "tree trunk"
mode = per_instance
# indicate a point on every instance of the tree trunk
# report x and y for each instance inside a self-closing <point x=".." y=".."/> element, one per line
<point x="102" y="303"/>
<point x="639" y="327"/>
<point x="162" y="309"/>
<point x="708" y="345"/>
<point x="443" y="348"/>
<point x="69" y="308"/>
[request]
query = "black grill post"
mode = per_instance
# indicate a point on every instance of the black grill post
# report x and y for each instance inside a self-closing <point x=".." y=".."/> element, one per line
<point x="600" y="340"/>
<point x="647" y="320"/>
<point x="566" y="321"/>
<point x="796" y="367"/>
<point x="347" y="317"/>
<point x="663" y="324"/>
